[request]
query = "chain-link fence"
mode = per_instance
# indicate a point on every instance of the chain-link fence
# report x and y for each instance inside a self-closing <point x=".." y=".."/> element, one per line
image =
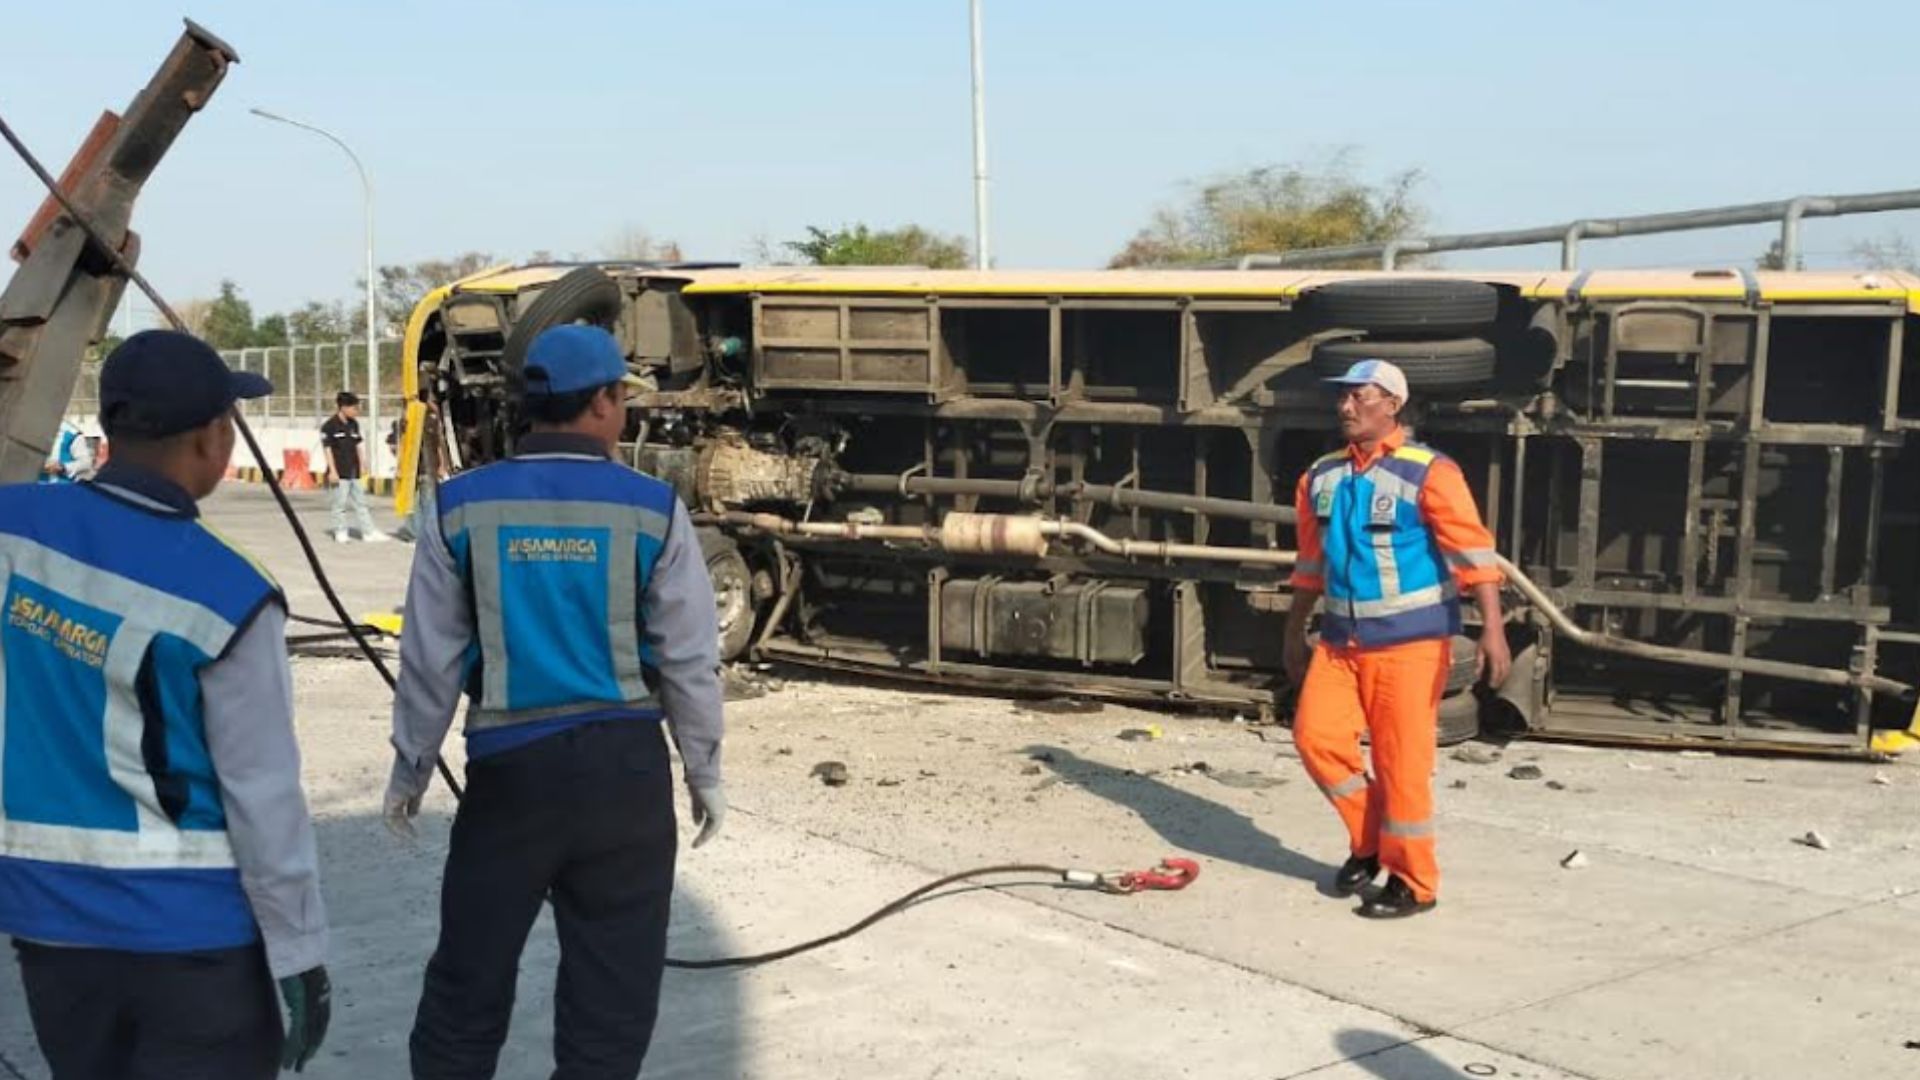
<point x="305" y="379"/>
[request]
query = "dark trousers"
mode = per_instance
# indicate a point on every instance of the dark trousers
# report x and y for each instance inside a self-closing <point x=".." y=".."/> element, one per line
<point x="584" y="818"/>
<point x="100" y="1014"/>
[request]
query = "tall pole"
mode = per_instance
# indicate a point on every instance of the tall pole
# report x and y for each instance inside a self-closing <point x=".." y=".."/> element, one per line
<point x="374" y="440"/>
<point x="981" y="259"/>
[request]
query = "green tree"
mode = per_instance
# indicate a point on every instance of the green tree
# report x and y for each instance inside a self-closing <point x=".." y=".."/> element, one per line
<point x="859" y="245"/>
<point x="635" y="244"/>
<point x="271" y="331"/>
<point x="1890" y="252"/>
<point x="401" y="288"/>
<point x="1776" y="259"/>
<point x="1276" y="208"/>
<point x="316" y="323"/>
<point x="228" y="323"/>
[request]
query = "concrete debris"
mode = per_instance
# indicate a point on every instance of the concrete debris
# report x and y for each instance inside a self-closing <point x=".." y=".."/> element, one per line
<point x="1525" y="772"/>
<point x="1882" y="779"/>
<point x="832" y="773"/>
<point x="1149" y="733"/>
<point x="1555" y="785"/>
<point x="1032" y="770"/>
<point x="785" y="751"/>
<point x="1475" y="754"/>
<point x="890" y="781"/>
<point x="1815" y="840"/>
<point x="1196" y="767"/>
<point x="1458" y="785"/>
<point x="928" y="774"/>
<point x="1697" y="754"/>
<point x="739" y="684"/>
<point x="1060" y="706"/>
<point x="1246" y="781"/>
<point x="1576" y="861"/>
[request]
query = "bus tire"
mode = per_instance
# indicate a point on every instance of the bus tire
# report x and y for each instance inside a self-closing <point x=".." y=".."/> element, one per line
<point x="1396" y="305"/>
<point x="1459" y="719"/>
<point x="584" y="295"/>
<point x="733" y="606"/>
<point x="1430" y="366"/>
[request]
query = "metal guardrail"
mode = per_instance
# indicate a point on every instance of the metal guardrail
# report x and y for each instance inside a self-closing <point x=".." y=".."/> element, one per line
<point x="1788" y="212"/>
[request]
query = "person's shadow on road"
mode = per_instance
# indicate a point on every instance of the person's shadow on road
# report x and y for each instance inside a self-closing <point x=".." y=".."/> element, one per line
<point x="1184" y="820"/>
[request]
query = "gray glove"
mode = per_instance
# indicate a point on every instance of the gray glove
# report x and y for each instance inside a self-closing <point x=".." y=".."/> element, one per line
<point x="402" y="802"/>
<point x="709" y="811"/>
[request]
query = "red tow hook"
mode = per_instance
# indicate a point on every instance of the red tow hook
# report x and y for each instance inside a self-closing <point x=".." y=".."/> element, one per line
<point x="1171" y="875"/>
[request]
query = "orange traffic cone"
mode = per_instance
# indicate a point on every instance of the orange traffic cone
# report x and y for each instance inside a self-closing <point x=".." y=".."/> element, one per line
<point x="296" y="476"/>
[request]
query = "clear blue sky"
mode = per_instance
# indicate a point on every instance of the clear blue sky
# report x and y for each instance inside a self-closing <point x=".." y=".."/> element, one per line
<point x="511" y="127"/>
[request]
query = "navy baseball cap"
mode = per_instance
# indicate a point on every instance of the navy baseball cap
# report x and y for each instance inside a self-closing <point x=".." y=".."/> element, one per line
<point x="568" y="359"/>
<point x="163" y="382"/>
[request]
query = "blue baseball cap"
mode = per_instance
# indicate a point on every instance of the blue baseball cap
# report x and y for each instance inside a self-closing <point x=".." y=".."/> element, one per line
<point x="568" y="359"/>
<point x="163" y="382"/>
<point x="1375" y="373"/>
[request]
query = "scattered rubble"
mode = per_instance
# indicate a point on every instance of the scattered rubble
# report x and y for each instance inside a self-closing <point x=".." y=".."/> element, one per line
<point x="1882" y="779"/>
<point x="1150" y="733"/>
<point x="832" y="773"/>
<point x="1458" y="785"/>
<point x="1246" y="781"/>
<point x="1555" y="785"/>
<point x="1525" y="772"/>
<point x="1059" y="706"/>
<point x="1576" y="861"/>
<point x="1031" y="770"/>
<point x="1815" y="840"/>
<point x="1475" y="754"/>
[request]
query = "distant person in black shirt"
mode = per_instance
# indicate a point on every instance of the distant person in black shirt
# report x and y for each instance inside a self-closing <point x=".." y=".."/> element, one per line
<point x="346" y="461"/>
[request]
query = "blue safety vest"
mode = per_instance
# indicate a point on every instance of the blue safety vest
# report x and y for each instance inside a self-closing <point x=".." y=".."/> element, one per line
<point x="556" y="550"/>
<point x="112" y="830"/>
<point x="1386" y="579"/>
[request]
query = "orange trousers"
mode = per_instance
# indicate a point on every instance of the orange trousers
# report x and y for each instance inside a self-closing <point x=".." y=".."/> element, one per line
<point x="1393" y="694"/>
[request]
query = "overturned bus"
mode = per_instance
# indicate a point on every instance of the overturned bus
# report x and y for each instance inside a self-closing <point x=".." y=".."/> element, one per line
<point x="1080" y="482"/>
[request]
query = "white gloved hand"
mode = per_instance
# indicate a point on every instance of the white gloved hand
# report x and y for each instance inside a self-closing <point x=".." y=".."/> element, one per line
<point x="709" y="811"/>
<point x="402" y="802"/>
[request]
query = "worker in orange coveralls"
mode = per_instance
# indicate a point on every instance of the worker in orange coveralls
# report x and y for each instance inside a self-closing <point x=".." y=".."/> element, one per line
<point x="1389" y="535"/>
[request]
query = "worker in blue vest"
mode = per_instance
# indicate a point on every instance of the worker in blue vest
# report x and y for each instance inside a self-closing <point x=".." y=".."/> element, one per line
<point x="568" y="597"/>
<point x="71" y="459"/>
<point x="157" y="863"/>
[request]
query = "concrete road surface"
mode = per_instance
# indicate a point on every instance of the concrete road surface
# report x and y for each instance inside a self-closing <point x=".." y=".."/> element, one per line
<point x="1699" y="941"/>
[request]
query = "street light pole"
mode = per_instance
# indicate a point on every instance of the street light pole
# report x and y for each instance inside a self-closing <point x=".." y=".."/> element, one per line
<point x="981" y="260"/>
<point x="373" y="438"/>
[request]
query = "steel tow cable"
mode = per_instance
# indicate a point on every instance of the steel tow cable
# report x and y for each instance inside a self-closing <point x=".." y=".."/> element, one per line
<point x="1172" y="874"/>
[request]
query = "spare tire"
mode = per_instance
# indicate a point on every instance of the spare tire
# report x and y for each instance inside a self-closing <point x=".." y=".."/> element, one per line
<point x="1450" y="364"/>
<point x="1464" y="669"/>
<point x="584" y="295"/>
<point x="1397" y="305"/>
<point x="1459" y="719"/>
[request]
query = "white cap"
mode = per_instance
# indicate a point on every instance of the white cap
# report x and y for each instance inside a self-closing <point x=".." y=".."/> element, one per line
<point x="1375" y="373"/>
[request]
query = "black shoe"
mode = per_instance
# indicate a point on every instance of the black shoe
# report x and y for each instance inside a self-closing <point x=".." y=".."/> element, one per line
<point x="1394" y="902"/>
<point x="1355" y="874"/>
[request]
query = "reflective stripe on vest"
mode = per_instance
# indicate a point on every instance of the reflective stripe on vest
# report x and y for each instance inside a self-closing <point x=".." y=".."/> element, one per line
<point x="1386" y="579"/>
<point x="557" y="552"/>
<point x="112" y="829"/>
